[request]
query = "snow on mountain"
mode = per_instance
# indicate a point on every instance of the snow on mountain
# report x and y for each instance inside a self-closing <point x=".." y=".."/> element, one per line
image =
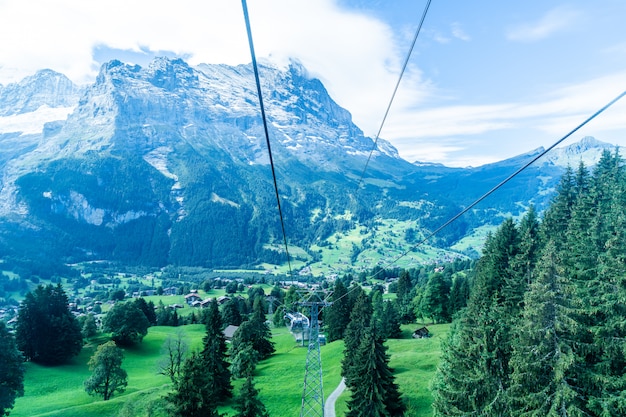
<point x="45" y="88"/>
<point x="26" y="107"/>
<point x="33" y="122"/>
<point x="588" y="150"/>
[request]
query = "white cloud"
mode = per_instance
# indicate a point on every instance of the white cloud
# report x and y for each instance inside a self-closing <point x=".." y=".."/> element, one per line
<point x="554" y="21"/>
<point x="355" y="55"/>
<point x="459" y="33"/>
<point x="418" y="133"/>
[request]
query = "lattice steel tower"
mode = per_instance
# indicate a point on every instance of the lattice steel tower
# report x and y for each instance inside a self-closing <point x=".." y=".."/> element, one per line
<point x="313" y="393"/>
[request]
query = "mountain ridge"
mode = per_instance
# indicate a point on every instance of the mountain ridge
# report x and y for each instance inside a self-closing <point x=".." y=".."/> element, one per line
<point x="168" y="164"/>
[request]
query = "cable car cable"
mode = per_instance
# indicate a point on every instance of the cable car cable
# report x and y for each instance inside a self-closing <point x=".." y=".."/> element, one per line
<point x="267" y="136"/>
<point x="395" y="90"/>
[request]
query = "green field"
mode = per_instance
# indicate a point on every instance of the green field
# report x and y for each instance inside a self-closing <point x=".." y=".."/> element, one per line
<point x="58" y="391"/>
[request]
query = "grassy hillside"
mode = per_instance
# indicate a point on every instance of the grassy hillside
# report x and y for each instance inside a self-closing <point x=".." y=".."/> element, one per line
<point x="58" y="391"/>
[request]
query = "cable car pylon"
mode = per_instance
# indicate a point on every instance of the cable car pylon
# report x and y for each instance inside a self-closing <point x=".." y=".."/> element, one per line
<point x="313" y="392"/>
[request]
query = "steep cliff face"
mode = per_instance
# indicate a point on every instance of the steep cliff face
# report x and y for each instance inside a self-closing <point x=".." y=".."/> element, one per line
<point x="169" y="164"/>
<point x="177" y="156"/>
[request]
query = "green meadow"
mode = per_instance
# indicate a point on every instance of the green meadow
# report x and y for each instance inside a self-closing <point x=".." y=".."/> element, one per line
<point x="58" y="391"/>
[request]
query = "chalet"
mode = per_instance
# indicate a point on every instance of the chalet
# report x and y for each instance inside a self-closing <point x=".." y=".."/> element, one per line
<point x="170" y="291"/>
<point x="205" y="303"/>
<point x="229" y="331"/>
<point x="421" y="333"/>
<point x="192" y="297"/>
<point x="223" y="299"/>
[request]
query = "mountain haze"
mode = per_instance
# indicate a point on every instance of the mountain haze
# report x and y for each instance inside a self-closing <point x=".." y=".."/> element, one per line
<point x="168" y="164"/>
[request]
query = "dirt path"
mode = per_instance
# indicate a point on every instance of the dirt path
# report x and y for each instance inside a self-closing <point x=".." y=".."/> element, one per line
<point x="329" y="406"/>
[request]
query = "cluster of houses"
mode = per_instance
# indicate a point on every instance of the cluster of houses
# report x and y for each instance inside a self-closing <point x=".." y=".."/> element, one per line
<point x="193" y="299"/>
<point x="9" y="316"/>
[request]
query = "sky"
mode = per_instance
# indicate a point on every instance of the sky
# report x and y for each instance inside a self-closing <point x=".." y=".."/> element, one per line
<point x="486" y="80"/>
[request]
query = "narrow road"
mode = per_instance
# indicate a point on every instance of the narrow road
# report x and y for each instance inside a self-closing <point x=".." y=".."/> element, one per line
<point x="329" y="406"/>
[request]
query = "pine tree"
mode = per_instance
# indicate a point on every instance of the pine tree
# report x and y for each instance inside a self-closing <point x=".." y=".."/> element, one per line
<point x="557" y="217"/>
<point x="459" y="294"/>
<point x="191" y="398"/>
<point x="213" y="357"/>
<point x="374" y="392"/>
<point x="522" y="266"/>
<point x="247" y="402"/>
<point x="337" y="316"/>
<point x="545" y="365"/>
<point x="11" y="371"/>
<point x="231" y="314"/>
<point x="360" y="320"/>
<point x="473" y="372"/>
<point x="47" y="332"/>
<point x="404" y="298"/>
<point x="606" y="305"/>
<point x="390" y="323"/>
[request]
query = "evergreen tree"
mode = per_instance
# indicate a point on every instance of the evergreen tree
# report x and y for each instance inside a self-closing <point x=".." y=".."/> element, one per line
<point x="147" y="309"/>
<point x="213" y="357"/>
<point x="557" y="217"/>
<point x="522" y="266"/>
<point x="374" y="392"/>
<point x="193" y="393"/>
<point x="108" y="377"/>
<point x="337" y="316"/>
<point x="231" y="314"/>
<point x="544" y="380"/>
<point x="390" y="323"/>
<point x="360" y="321"/>
<point x="459" y="294"/>
<point x="11" y="371"/>
<point x="247" y="403"/>
<point x="605" y="306"/>
<point x="470" y="379"/>
<point x="47" y="332"/>
<point x="244" y="361"/>
<point x="404" y="299"/>
<point x="473" y="372"/>
<point x="404" y="286"/>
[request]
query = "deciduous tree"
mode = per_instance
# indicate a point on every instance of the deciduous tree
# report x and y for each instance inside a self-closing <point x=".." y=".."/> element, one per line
<point x="173" y="353"/>
<point x="127" y="323"/>
<point x="108" y="377"/>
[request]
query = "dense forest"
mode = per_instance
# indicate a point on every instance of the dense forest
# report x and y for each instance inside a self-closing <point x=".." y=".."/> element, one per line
<point x="543" y="331"/>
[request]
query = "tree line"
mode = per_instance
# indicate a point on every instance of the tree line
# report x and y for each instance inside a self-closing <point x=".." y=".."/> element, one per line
<point x="48" y="333"/>
<point x="543" y="331"/>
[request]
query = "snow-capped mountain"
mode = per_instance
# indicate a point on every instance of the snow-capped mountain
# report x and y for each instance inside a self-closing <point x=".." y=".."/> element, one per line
<point x="169" y="164"/>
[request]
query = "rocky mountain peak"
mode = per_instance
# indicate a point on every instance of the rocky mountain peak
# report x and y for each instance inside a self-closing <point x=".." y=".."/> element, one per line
<point x="587" y="150"/>
<point x="44" y="88"/>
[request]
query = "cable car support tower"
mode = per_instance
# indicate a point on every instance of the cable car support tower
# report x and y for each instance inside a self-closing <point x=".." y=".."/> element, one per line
<point x="313" y="392"/>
